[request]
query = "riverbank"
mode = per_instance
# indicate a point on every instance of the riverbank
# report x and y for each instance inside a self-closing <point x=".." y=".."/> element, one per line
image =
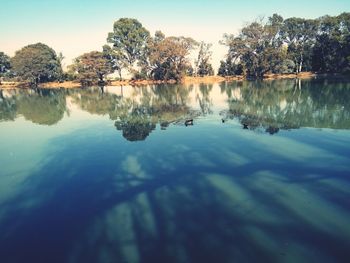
<point x="186" y="80"/>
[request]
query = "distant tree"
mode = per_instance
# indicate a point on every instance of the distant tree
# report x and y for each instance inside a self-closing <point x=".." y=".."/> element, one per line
<point x="294" y="44"/>
<point x="92" y="68"/>
<point x="37" y="63"/>
<point x="144" y="61"/>
<point x="129" y="39"/>
<point x="202" y="63"/>
<point x="4" y="64"/>
<point x="169" y="57"/>
<point x="115" y="59"/>
<point x="286" y="66"/>
<point x="331" y="52"/>
<point x="299" y="34"/>
<point x="228" y="68"/>
<point x="159" y="36"/>
<point x="256" y="47"/>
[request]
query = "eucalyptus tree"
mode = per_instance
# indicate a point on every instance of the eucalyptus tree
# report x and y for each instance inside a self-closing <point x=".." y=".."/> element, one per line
<point x="115" y="59"/>
<point x="300" y="35"/>
<point x="129" y="40"/>
<point x="168" y="57"/>
<point x="229" y="68"/>
<point x="331" y="52"/>
<point x="92" y="68"/>
<point x="37" y="63"/>
<point x="202" y="63"/>
<point x="145" y="62"/>
<point x="257" y="47"/>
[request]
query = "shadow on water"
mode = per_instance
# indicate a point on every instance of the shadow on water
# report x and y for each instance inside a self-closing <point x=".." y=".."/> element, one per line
<point x="137" y="210"/>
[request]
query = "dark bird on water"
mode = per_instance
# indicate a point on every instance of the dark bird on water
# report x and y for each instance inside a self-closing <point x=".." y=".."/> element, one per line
<point x="245" y="126"/>
<point x="189" y="122"/>
<point x="223" y="120"/>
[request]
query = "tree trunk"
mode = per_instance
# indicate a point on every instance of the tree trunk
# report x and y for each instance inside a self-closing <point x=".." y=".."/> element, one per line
<point x="36" y="82"/>
<point x="100" y="76"/>
<point x="301" y="63"/>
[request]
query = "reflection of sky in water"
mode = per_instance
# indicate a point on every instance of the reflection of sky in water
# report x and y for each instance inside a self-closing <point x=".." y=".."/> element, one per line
<point x="80" y="192"/>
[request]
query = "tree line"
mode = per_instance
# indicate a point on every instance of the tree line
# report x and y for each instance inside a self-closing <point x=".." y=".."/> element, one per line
<point x="293" y="45"/>
<point x="272" y="45"/>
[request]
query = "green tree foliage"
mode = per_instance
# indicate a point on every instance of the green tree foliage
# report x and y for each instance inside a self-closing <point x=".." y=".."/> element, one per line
<point x="37" y="63"/>
<point x="281" y="46"/>
<point x="256" y="47"/>
<point x="129" y="39"/>
<point x="168" y="57"/>
<point x="92" y="68"/>
<point x="291" y="45"/>
<point x="229" y="68"/>
<point x="115" y="59"/>
<point x="331" y="52"/>
<point x="299" y="34"/>
<point x="4" y="64"/>
<point x="203" y="66"/>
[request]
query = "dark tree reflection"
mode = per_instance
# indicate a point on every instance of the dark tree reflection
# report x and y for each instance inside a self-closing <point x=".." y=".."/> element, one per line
<point x="286" y="104"/>
<point x="45" y="107"/>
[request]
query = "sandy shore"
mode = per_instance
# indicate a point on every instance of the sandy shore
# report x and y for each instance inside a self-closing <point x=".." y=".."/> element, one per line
<point x="186" y="80"/>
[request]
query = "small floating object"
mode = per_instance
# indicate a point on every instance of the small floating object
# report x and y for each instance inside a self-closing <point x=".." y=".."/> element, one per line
<point x="272" y="130"/>
<point x="189" y="122"/>
<point x="223" y="120"/>
<point x="245" y="126"/>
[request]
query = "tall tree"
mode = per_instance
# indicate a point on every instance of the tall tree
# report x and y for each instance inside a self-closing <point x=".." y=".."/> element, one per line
<point x="37" y="63"/>
<point x="129" y="39"/>
<point x="4" y="64"/>
<point x="203" y="66"/>
<point x="299" y="34"/>
<point x="92" y="68"/>
<point x="115" y="59"/>
<point x="256" y="47"/>
<point x="169" y="57"/>
<point x="331" y="52"/>
<point x="145" y="62"/>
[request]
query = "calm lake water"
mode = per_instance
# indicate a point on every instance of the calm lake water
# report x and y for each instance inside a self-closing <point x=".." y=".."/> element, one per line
<point x="115" y="175"/>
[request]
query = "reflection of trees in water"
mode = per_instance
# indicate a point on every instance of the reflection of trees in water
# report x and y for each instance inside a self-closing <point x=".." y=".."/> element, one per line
<point x="265" y="105"/>
<point x="95" y="100"/>
<point x="135" y="127"/>
<point x="161" y="104"/>
<point x="45" y="107"/>
<point x="204" y="98"/>
<point x="8" y="108"/>
<point x="137" y="115"/>
<point x="289" y="104"/>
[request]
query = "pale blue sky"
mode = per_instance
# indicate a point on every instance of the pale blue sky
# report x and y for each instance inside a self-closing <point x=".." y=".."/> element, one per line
<point x="75" y="27"/>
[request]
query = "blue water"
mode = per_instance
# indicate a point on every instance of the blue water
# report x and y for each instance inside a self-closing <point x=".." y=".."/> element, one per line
<point x="115" y="175"/>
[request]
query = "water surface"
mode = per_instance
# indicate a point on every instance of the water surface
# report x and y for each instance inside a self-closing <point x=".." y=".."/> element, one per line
<point x="113" y="174"/>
